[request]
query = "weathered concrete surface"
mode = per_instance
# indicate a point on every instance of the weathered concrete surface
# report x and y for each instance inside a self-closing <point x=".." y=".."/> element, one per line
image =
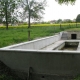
<point x="36" y="44"/>
<point x="67" y="35"/>
<point x="54" y="45"/>
<point x="60" y="44"/>
<point x="64" y="35"/>
<point x="43" y="64"/>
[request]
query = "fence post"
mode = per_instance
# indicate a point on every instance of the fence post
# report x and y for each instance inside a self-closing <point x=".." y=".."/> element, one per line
<point x="76" y="24"/>
<point x="54" y="29"/>
<point x="69" y="26"/>
<point x="60" y="26"/>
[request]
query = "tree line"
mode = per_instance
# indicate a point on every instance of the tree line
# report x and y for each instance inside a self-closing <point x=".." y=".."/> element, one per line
<point x="11" y="11"/>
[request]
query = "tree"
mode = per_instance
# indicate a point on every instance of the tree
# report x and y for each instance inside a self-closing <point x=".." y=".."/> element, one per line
<point x="32" y="9"/>
<point x="65" y="1"/>
<point x="67" y="21"/>
<point x="78" y="18"/>
<point x="7" y="11"/>
<point x="59" y="21"/>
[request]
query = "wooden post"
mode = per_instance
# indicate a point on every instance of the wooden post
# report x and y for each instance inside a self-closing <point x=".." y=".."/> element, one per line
<point x="60" y="26"/>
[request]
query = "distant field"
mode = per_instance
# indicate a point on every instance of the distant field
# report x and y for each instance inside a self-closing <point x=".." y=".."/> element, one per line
<point x="63" y="24"/>
<point x="47" y="25"/>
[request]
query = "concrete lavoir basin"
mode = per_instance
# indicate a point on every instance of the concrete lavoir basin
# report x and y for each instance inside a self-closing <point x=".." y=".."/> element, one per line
<point x="39" y="61"/>
<point x="69" y="45"/>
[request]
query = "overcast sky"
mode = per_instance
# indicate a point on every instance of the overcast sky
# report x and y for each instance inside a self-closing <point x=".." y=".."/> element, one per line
<point x="54" y="11"/>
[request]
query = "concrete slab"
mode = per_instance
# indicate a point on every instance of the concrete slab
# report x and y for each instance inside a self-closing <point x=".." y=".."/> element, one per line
<point x="53" y="46"/>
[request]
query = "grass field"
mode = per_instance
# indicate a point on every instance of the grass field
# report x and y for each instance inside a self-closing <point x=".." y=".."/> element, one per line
<point x="17" y="34"/>
<point x="47" y="25"/>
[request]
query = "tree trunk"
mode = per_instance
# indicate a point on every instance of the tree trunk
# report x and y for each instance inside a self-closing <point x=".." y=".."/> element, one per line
<point x="29" y="20"/>
<point x="76" y="24"/>
<point x="29" y="35"/>
<point x="6" y="15"/>
<point x="29" y="26"/>
<point x="60" y="26"/>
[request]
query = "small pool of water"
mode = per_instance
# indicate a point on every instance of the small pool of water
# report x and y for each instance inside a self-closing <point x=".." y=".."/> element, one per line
<point x="68" y="46"/>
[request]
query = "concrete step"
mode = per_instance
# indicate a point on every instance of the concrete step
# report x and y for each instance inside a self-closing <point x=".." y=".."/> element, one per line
<point x="64" y="36"/>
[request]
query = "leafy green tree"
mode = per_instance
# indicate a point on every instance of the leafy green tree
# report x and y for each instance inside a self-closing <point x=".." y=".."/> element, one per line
<point x="65" y="1"/>
<point x="78" y="18"/>
<point x="59" y="21"/>
<point x="7" y="11"/>
<point x="67" y="21"/>
<point x="33" y="9"/>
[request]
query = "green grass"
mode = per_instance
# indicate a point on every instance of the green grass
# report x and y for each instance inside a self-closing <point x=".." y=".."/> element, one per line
<point x="77" y="77"/>
<point x="19" y="34"/>
<point x="16" y="35"/>
<point x="8" y="77"/>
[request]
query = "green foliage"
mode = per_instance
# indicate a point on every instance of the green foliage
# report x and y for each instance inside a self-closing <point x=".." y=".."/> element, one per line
<point x="8" y="77"/>
<point x="34" y="8"/>
<point x="65" y="1"/>
<point x="78" y="18"/>
<point x="7" y="11"/>
<point x="59" y="21"/>
<point x="77" y="77"/>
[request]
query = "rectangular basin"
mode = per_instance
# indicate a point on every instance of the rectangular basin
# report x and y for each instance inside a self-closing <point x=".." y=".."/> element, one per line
<point x="70" y="46"/>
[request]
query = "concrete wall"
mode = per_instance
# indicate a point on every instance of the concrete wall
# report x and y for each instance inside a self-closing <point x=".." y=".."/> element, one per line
<point x="69" y="42"/>
<point x="67" y="35"/>
<point x="74" y="32"/>
<point x="59" y="46"/>
<point x="43" y="62"/>
<point x="36" y="44"/>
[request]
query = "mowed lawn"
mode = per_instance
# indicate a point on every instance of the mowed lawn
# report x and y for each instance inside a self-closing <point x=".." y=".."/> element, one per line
<point x="19" y="34"/>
